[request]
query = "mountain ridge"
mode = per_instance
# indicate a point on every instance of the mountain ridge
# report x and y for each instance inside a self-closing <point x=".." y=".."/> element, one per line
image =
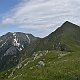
<point x="12" y="44"/>
<point x="59" y="32"/>
<point x="64" y="39"/>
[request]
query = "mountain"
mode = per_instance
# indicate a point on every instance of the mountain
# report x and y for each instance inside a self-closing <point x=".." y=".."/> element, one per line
<point x="11" y="44"/>
<point x="65" y="38"/>
<point x="56" y="56"/>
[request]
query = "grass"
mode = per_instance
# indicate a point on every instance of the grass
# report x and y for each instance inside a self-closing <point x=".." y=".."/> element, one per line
<point x="57" y="67"/>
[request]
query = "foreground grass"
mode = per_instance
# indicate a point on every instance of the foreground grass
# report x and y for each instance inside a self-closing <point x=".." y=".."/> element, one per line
<point x="57" y="67"/>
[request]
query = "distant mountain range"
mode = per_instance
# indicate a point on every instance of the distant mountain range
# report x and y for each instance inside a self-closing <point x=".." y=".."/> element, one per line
<point x="16" y="47"/>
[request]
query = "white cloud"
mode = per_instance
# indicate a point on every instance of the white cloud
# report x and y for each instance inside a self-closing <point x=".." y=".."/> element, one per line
<point x="8" y="21"/>
<point x="43" y="14"/>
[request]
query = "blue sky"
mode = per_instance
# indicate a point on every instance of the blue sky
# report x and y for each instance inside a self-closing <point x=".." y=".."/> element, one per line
<point x="39" y="17"/>
<point x="6" y="5"/>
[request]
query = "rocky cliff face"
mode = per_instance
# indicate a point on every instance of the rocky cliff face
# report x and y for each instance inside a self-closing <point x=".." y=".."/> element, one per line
<point x="11" y="44"/>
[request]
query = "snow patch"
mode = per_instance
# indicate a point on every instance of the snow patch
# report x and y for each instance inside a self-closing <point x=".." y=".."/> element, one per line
<point x="20" y="49"/>
<point x="22" y="46"/>
<point x="14" y="34"/>
<point x="15" y="41"/>
<point x="28" y="38"/>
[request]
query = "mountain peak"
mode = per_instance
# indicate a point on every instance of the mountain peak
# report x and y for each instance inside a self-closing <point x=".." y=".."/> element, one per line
<point x="68" y="24"/>
<point x="8" y="33"/>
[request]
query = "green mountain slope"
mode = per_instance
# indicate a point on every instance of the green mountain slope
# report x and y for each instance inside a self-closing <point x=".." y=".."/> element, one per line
<point x="65" y="38"/>
<point x="58" y="65"/>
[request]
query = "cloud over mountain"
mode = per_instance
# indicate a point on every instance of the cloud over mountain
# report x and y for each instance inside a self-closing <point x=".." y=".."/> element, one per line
<point x="43" y="14"/>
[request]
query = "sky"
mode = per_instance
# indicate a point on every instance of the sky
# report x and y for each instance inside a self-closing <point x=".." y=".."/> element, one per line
<point x="38" y="17"/>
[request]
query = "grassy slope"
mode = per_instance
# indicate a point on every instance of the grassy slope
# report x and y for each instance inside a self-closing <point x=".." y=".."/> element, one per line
<point x="57" y="67"/>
